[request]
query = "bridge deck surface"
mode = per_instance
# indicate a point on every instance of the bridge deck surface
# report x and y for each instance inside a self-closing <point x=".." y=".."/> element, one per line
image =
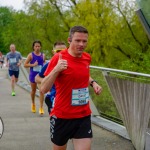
<point x="24" y="130"/>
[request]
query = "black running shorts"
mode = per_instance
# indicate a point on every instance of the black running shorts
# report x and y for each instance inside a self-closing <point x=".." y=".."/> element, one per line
<point x="15" y="73"/>
<point x="62" y="130"/>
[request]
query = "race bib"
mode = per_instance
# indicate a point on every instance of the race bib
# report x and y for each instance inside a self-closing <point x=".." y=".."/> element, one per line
<point x="37" y="68"/>
<point x="80" y="96"/>
<point x="12" y="60"/>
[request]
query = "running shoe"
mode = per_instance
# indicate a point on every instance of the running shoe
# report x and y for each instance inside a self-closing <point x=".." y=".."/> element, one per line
<point x="13" y="94"/>
<point x="41" y="111"/>
<point x="33" y="108"/>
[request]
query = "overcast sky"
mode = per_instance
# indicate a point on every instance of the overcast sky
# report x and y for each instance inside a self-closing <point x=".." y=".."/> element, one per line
<point x="16" y="4"/>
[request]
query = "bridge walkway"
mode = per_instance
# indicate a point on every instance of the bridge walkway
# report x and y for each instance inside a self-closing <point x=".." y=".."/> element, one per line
<point x="24" y="130"/>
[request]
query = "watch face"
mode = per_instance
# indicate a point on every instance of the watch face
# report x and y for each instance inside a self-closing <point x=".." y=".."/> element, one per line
<point x="1" y="127"/>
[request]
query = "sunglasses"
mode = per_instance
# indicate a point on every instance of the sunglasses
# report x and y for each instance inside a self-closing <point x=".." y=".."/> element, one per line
<point x="57" y="50"/>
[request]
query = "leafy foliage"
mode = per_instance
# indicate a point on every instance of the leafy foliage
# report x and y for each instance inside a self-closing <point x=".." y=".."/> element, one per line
<point x="116" y="37"/>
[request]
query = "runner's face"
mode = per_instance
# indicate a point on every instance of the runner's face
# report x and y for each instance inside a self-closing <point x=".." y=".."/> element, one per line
<point x="37" y="47"/>
<point x="78" y="43"/>
<point x="12" y="48"/>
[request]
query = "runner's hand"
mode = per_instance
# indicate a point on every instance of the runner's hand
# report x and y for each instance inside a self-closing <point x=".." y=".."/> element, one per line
<point x="62" y="64"/>
<point x="97" y="88"/>
<point x="35" y="63"/>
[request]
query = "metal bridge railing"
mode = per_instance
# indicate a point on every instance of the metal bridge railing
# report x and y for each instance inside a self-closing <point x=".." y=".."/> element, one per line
<point x="130" y="92"/>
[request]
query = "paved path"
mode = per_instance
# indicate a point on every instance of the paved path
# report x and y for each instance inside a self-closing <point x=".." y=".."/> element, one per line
<point x="24" y="130"/>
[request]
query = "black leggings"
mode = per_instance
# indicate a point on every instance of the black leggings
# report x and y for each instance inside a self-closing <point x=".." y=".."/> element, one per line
<point x="48" y="103"/>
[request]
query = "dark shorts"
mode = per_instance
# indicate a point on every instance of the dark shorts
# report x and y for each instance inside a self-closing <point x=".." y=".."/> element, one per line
<point x="64" y="129"/>
<point x="32" y="76"/>
<point x="49" y="104"/>
<point x="15" y="73"/>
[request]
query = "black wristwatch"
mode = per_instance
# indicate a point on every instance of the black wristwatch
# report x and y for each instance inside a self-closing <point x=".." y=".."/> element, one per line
<point x="91" y="84"/>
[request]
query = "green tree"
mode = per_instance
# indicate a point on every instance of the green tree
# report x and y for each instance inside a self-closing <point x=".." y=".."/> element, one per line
<point x="5" y="21"/>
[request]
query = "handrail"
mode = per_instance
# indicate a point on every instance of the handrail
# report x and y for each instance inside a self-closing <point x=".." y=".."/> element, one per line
<point x="120" y="71"/>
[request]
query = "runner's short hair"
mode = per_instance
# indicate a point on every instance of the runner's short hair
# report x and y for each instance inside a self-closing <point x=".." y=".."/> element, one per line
<point x="59" y="43"/>
<point x="80" y="29"/>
